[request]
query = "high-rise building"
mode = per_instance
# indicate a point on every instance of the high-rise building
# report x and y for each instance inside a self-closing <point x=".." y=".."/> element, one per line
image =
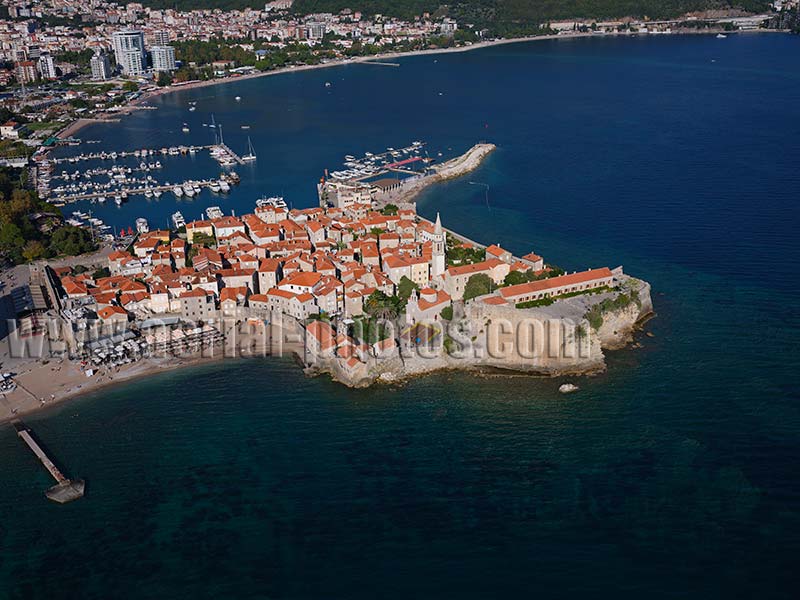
<point x="129" y="51"/>
<point x="101" y="67"/>
<point x="163" y="58"/>
<point x="47" y="66"/>
<point x="315" y="31"/>
<point x="159" y="38"/>
<point x="25" y="71"/>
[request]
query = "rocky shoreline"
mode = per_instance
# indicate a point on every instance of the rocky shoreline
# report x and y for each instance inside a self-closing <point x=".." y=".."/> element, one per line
<point x="577" y="349"/>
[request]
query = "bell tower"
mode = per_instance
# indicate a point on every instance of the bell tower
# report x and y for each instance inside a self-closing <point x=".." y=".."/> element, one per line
<point x="438" y="240"/>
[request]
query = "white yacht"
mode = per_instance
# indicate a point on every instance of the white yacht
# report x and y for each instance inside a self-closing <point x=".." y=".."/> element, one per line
<point x="276" y="201"/>
<point x="178" y="191"/>
<point x="178" y="220"/>
<point x="142" y="226"/>
<point x="251" y="153"/>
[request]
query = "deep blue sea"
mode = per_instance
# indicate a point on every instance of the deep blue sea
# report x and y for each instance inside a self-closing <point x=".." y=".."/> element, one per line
<point x="673" y="475"/>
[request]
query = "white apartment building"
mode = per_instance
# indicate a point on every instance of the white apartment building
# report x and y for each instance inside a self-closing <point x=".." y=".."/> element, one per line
<point x="163" y="58"/>
<point x="130" y="52"/>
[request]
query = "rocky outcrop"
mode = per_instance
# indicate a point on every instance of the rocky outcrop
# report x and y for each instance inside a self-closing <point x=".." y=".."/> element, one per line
<point x="566" y="338"/>
<point x="461" y="165"/>
<point x="619" y="324"/>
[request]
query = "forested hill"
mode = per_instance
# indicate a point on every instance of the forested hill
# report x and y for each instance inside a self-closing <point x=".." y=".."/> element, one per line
<point x="488" y="11"/>
<point x="529" y="11"/>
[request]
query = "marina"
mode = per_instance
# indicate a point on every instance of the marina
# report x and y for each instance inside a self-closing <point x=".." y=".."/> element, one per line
<point x="378" y="164"/>
<point x="121" y="181"/>
<point x="149" y="188"/>
<point x="142" y="153"/>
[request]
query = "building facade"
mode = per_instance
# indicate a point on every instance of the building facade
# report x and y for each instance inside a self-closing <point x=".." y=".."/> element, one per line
<point x="130" y="52"/>
<point x="101" y="67"/>
<point x="163" y="58"/>
<point x="47" y="66"/>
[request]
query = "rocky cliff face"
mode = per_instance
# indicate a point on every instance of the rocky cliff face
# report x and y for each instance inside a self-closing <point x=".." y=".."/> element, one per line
<point x="620" y="324"/>
<point x="566" y="338"/>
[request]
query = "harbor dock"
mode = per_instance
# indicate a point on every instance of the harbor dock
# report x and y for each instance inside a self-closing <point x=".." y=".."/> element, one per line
<point x="83" y="184"/>
<point x="65" y="490"/>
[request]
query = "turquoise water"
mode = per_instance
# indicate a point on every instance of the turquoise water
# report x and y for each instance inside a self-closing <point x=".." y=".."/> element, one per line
<point x="672" y="475"/>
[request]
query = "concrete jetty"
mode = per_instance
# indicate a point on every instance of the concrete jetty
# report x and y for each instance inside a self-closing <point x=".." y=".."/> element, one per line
<point x="65" y="490"/>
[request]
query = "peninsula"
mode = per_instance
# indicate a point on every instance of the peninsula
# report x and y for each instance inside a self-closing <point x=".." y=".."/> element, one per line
<point x="360" y="287"/>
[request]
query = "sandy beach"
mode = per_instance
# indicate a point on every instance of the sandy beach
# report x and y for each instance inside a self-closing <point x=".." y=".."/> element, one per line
<point x="41" y="385"/>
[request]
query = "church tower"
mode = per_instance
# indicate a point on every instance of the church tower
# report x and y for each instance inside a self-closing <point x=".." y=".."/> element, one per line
<point x="438" y="239"/>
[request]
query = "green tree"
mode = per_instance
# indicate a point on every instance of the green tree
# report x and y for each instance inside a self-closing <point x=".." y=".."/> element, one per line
<point x="390" y="209"/>
<point x="11" y="240"/>
<point x="71" y="241"/>
<point x="130" y="86"/>
<point x="34" y="250"/>
<point x="515" y="278"/>
<point x="405" y="287"/>
<point x="381" y="306"/>
<point x="101" y="272"/>
<point x="204" y="239"/>
<point x="164" y="79"/>
<point x="479" y="284"/>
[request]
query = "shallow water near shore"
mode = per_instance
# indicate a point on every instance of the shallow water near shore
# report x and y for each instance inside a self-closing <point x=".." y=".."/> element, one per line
<point x="671" y="475"/>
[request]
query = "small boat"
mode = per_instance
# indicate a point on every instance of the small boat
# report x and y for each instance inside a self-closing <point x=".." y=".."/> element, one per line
<point x="245" y="126"/>
<point x="148" y="193"/>
<point x="214" y="187"/>
<point x="157" y="193"/>
<point x="327" y="84"/>
<point x="238" y="98"/>
<point x="185" y="128"/>
<point x="721" y="36"/>
<point x="101" y="199"/>
<point x="192" y="108"/>
<point x="118" y="200"/>
<point x="224" y="187"/>
<point x="178" y="191"/>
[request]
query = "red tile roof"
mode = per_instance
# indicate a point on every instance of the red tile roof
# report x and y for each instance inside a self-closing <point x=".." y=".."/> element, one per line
<point x="555" y="282"/>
